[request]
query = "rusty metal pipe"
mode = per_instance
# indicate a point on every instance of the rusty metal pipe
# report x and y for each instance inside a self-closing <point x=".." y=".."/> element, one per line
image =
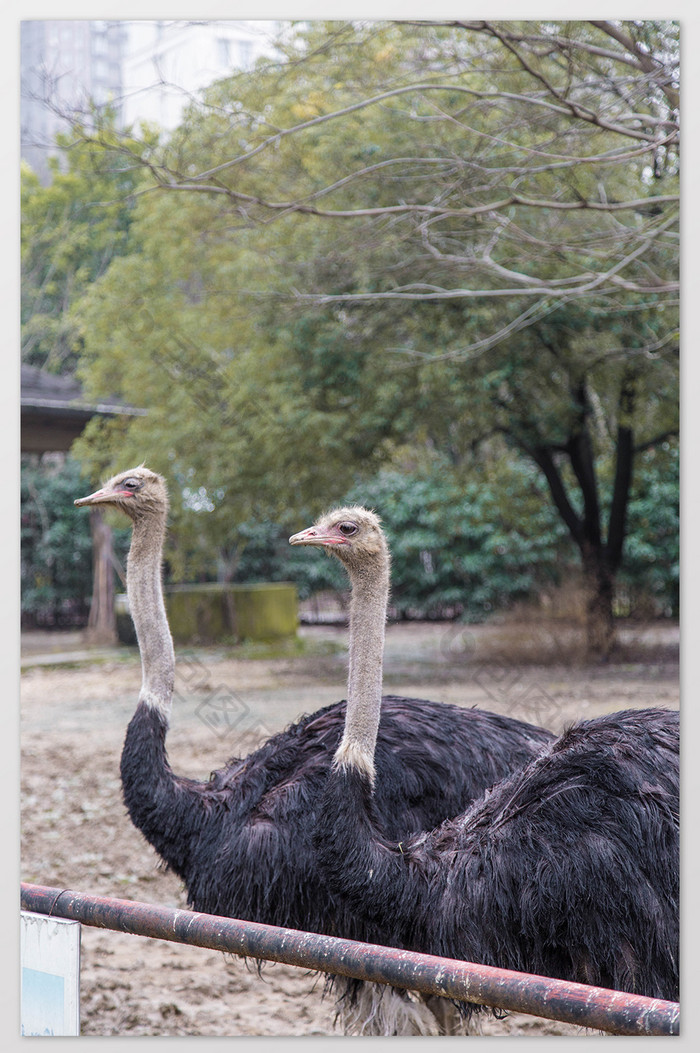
<point x="593" y="1007"/>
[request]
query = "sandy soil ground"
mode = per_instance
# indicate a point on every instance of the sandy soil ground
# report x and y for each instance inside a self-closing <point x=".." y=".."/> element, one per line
<point x="76" y="704"/>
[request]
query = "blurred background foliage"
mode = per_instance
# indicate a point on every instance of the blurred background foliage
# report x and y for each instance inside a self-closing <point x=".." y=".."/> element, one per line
<point x="458" y="551"/>
<point x="509" y="443"/>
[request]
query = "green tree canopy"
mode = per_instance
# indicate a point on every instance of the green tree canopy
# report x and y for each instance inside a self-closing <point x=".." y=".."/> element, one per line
<point x="515" y="161"/>
<point x="433" y="234"/>
<point x="71" y="231"/>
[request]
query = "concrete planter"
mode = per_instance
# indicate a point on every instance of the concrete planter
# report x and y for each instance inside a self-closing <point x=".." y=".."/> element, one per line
<point x="213" y="613"/>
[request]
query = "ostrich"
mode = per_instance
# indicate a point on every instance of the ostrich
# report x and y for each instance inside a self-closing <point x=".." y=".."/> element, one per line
<point x="241" y="841"/>
<point x="568" y="867"/>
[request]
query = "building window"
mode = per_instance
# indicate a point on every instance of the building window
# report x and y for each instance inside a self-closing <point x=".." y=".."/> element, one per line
<point x="223" y="51"/>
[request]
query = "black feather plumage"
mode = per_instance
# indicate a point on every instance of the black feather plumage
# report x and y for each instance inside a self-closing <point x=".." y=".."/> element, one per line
<point x="241" y="842"/>
<point x="567" y="868"/>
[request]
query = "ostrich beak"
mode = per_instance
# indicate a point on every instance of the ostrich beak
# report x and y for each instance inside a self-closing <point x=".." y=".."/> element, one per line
<point x="305" y="537"/>
<point x="105" y="496"/>
<point x="92" y="499"/>
<point x="311" y="536"/>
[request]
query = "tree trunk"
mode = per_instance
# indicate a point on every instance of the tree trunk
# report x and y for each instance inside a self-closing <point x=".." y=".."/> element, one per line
<point x="598" y="570"/>
<point x="601" y="558"/>
<point x="599" y="583"/>
<point x="102" y="622"/>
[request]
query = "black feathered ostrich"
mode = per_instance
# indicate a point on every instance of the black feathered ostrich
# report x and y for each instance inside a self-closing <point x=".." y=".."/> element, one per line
<point x="241" y="841"/>
<point x="567" y="868"/>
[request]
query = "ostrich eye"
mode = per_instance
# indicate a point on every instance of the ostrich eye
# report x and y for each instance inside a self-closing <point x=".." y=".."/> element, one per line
<point x="131" y="484"/>
<point x="347" y="529"/>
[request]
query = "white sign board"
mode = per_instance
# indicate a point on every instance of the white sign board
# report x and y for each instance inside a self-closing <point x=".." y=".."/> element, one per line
<point x="50" y="949"/>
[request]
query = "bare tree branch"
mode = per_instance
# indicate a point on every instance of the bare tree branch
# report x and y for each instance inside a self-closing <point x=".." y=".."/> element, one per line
<point x="565" y="107"/>
<point x="300" y="205"/>
<point x="645" y="61"/>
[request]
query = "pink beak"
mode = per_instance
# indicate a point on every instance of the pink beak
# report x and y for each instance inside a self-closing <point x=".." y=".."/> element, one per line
<point x="99" y="495"/>
<point x="102" y="495"/>
<point x="311" y="536"/>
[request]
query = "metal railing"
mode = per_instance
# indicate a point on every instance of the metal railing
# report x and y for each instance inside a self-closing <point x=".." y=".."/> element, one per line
<point x="591" y="1007"/>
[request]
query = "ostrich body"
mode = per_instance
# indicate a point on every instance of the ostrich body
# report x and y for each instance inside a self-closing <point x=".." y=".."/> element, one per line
<point x="241" y="842"/>
<point x="568" y="867"/>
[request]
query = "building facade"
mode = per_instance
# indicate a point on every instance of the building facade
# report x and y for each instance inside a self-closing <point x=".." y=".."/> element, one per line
<point x="146" y="70"/>
<point x="66" y="66"/>
<point x="168" y="62"/>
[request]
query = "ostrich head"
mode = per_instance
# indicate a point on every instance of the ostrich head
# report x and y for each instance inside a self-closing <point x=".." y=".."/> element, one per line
<point x="138" y="492"/>
<point x="353" y="534"/>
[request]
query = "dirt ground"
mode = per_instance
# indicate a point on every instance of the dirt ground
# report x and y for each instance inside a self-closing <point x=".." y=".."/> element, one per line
<point x="76" y="703"/>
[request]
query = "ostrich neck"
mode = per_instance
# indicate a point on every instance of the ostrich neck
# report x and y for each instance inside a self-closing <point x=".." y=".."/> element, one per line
<point x="145" y="592"/>
<point x="370" y="594"/>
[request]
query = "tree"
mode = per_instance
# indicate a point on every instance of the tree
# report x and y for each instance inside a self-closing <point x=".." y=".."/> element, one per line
<point x="573" y="395"/>
<point x="532" y="154"/>
<point x="232" y="419"/>
<point x="438" y="232"/>
<point x="71" y="231"/>
<point x="617" y="407"/>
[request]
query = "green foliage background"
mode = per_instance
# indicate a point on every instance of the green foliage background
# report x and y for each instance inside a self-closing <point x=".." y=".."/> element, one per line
<point x="455" y="552"/>
<point x="56" y="547"/>
<point x="267" y="402"/>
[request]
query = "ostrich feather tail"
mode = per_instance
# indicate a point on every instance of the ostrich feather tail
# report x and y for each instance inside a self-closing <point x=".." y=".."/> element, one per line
<point x="378" y="1010"/>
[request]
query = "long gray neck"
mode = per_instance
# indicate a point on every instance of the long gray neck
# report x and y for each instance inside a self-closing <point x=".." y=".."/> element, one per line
<point x="370" y="596"/>
<point x="145" y="591"/>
